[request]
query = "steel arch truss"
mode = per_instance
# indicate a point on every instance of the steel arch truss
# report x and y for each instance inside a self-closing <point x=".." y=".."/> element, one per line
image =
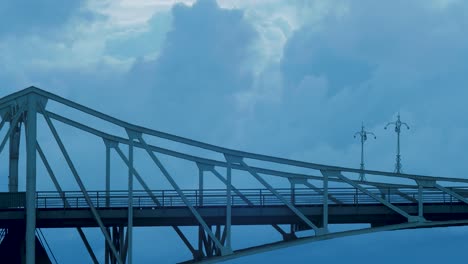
<point x="326" y="191"/>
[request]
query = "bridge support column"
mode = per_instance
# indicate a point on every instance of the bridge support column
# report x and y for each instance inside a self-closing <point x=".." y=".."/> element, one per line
<point x="207" y="246"/>
<point x="106" y="247"/>
<point x="421" y="185"/>
<point x="227" y="230"/>
<point x="201" y="232"/>
<point x="31" y="134"/>
<point x="200" y="186"/>
<point x="119" y="242"/>
<point x="132" y="136"/>
<point x="107" y="254"/>
<point x="13" y="115"/>
<point x="325" y="203"/>
<point x="420" y="201"/>
<point x="293" y="227"/>
<point x="293" y="191"/>
<point x="293" y="202"/>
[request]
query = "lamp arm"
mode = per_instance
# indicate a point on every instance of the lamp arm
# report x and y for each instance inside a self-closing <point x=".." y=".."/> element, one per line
<point x="406" y="125"/>
<point x="391" y="123"/>
<point x="370" y="133"/>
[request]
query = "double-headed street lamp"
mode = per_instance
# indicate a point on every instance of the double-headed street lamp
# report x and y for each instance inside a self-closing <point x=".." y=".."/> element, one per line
<point x="398" y="125"/>
<point x="363" y="134"/>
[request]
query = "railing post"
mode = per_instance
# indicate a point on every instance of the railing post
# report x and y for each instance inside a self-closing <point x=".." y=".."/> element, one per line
<point x="293" y="191"/>
<point x="356" y="198"/>
<point x="261" y="198"/>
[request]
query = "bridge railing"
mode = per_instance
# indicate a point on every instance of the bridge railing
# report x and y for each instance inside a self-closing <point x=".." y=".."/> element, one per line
<point x="217" y="197"/>
<point x="248" y="197"/>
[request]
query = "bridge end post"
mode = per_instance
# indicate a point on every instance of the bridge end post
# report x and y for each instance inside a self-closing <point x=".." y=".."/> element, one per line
<point x="109" y="145"/>
<point x="31" y="137"/>
<point x="325" y="204"/>
<point x="132" y="136"/>
<point x="227" y="249"/>
<point x="421" y="185"/>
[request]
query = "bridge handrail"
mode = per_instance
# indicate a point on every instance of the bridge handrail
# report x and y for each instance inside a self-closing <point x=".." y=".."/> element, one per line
<point x="258" y="197"/>
<point x="217" y="197"/>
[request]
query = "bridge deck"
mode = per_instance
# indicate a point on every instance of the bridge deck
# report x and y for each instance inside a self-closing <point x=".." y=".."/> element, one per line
<point x="253" y="207"/>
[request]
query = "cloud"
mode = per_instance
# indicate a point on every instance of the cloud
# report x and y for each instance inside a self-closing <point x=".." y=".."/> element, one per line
<point x="365" y="63"/>
<point x="287" y="78"/>
<point x="199" y="68"/>
<point x="142" y="43"/>
<point x="38" y="17"/>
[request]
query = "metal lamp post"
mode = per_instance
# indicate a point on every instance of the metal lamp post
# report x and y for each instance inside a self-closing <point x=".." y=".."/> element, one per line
<point x="398" y="125"/>
<point x="363" y="134"/>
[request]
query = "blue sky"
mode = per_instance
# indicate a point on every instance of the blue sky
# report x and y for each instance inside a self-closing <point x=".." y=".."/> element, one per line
<point x="290" y="78"/>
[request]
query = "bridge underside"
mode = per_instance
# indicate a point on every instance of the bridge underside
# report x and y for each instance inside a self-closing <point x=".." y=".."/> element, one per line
<point x="12" y="246"/>
<point x="374" y="214"/>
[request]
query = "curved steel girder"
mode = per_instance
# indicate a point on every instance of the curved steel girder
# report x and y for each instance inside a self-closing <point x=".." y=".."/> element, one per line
<point x="328" y="236"/>
<point x="211" y="147"/>
<point x="212" y="162"/>
<point x="107" y="137"/>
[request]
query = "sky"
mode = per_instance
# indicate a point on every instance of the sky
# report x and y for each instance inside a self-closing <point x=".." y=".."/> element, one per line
<point x="289" y="78"/>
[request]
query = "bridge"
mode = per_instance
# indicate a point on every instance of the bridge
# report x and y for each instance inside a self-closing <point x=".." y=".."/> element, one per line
<point x="305" y="197"/>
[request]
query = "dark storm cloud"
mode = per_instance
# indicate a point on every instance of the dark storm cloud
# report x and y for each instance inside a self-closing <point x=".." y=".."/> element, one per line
<point x="312" y="54"/>
<point x="199" y="68"/>
<point x="205" y="50"/>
